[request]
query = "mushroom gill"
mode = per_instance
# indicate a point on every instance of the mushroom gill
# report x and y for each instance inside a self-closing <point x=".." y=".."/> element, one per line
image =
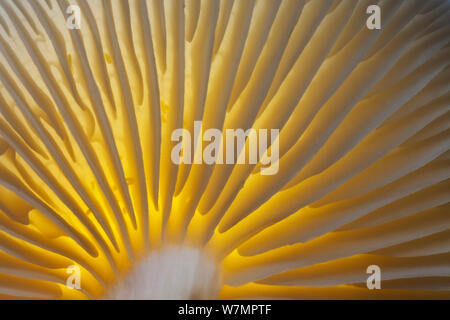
<point x="87" y="178"/>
